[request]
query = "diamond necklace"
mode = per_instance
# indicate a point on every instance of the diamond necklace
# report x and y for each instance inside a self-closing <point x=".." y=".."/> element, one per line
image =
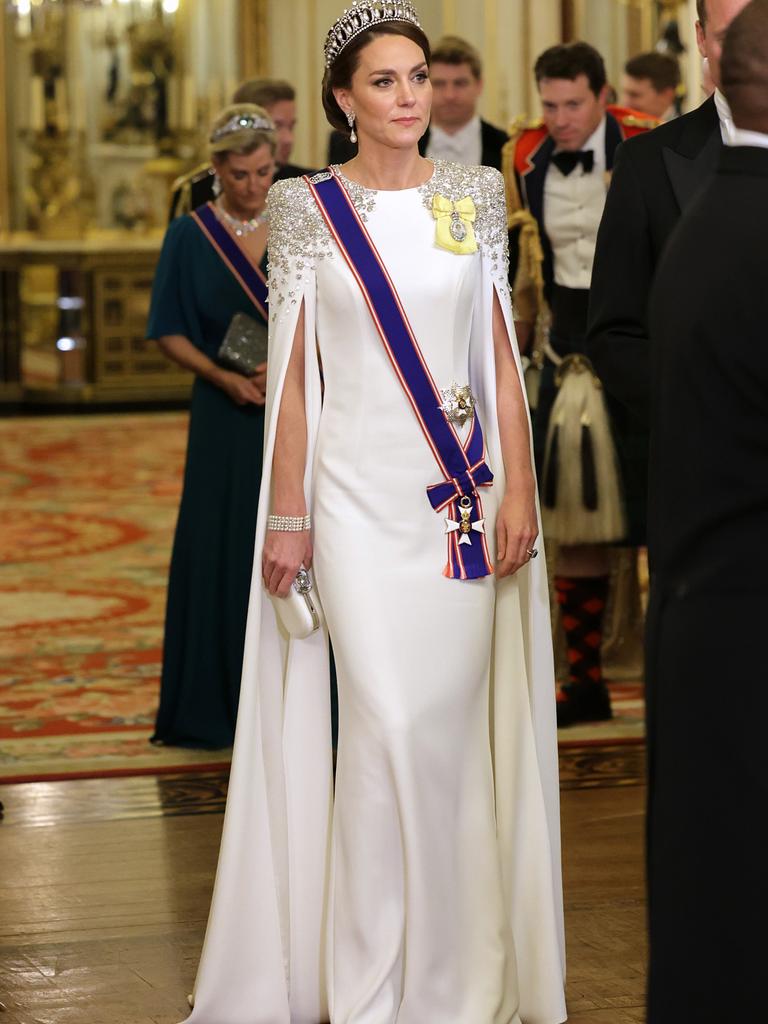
<point x="242" y="227"/>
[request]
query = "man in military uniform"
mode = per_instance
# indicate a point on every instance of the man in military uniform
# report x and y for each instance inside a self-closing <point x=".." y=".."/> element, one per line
<point x="278" y="98"/>
<point x="556" y="172"/>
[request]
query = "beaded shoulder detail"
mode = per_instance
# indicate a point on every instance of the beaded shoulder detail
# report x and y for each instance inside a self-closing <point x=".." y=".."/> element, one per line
<point x="363" y="199"/>
<point x="299" y="237"/>
<point x="296" y="226"/>
<point x="484" y="185"/>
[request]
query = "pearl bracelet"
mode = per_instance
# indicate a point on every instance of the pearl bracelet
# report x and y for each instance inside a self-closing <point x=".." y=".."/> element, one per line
<point x="289" y="524"/>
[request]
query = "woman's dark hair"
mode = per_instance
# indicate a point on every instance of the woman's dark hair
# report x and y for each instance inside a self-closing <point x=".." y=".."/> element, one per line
<point x="569" y="60"/>
<point x="339" y="74"/>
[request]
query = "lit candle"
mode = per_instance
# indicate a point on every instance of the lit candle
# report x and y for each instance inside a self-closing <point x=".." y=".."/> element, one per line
<point x="172" y="102"/>
<point x="188" y="104"/>
<point x="214" y="97"/>
<point x="37" y="104"/>
<point x="23" y="18"/>
<point x="62" y="110"/>
<point x="79" y="108"/>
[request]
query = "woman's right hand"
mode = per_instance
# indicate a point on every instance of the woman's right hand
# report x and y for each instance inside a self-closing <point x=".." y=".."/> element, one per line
<point x="284" y="554"/>
<point x="244" y="390"/>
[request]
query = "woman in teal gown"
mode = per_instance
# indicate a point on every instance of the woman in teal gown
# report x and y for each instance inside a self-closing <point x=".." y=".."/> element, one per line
<point x="195" y="295"/>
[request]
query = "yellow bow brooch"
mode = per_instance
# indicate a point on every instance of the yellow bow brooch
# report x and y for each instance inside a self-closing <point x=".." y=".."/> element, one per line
<point x="455" y="231"/>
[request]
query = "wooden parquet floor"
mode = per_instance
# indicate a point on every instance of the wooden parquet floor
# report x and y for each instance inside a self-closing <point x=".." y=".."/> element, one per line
<point x="105" y="885"/>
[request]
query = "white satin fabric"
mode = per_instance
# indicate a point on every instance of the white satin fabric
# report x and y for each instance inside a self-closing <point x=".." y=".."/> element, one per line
<point x="429" y="891"/>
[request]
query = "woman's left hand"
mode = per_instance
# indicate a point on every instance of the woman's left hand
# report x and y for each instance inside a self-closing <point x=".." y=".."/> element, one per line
<point x="516" y="530"/>
<point x="259" y="378"/>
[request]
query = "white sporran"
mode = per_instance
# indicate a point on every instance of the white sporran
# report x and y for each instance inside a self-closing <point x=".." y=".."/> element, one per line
<point x="532" y="380"/>
<point x="300" y="613"/>
<point x="582" y="500"/>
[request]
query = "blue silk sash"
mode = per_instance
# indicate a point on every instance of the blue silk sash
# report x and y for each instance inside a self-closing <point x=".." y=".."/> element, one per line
<point x="463" y="466"/>
<point x="246" y="273"/>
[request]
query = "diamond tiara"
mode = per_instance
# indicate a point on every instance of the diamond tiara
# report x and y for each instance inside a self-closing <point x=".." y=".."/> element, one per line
<point x="364" y="15"/>
<point x="241" y="121"/>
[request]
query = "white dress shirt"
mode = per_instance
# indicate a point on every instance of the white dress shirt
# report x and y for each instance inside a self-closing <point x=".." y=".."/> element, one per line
<point x="573" y="207"/>
<point x="744" y="137"/>
<point x="727" y="127"/>
<point x="462" y="147"/>
<point x="731" y="133"/>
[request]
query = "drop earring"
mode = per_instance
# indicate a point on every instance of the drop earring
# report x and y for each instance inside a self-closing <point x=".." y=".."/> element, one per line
<point x="351" y="123"/>
<point x="216" y="187"/>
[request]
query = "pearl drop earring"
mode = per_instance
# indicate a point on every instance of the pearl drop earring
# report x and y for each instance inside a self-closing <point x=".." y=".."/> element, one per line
<point x="351" y="123"/>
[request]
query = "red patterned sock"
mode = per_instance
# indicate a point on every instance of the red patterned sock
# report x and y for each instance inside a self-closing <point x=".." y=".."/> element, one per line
<point x="582" y="602"/>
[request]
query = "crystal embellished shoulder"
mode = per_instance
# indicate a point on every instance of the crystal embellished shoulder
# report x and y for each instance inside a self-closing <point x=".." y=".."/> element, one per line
<point x="484" y="185"/>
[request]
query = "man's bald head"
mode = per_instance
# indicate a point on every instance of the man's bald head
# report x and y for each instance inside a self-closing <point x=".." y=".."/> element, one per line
<point x="744" y="67"/>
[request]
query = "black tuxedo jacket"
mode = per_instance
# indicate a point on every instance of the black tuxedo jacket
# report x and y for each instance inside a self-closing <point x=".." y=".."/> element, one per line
<point x="708" y="525"/>
<point x="340" y="149"/>
<point x="492" y="141"/>
<point x="201" y="186"/>
<point x="657" y="175"/>
<point x="531" y="186"/>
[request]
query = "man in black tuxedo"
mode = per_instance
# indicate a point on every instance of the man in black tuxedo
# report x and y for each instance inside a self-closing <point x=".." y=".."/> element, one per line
<point x="278" y="98"/>
<point x="655" y="178"/>
<point x="708" y="851"/>
<point x="650" y="83"/>
<point x="556" y="171"/>
<point x="456" y="131"/>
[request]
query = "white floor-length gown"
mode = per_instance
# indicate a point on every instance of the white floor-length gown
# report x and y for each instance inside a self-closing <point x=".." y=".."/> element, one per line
<point x="427" y="889"/>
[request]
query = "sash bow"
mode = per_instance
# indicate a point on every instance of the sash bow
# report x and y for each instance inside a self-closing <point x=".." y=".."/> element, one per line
<point x="465" y="483"/>
<point x="455" y="224"/>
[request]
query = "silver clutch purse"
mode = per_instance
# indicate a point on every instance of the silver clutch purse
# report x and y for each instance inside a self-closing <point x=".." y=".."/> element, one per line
<point x="299" y="614"/>
<point x="244" y="347"/>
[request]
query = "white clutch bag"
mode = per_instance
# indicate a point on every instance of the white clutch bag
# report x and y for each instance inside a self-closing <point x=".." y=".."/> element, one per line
<point x="299" y="614"/>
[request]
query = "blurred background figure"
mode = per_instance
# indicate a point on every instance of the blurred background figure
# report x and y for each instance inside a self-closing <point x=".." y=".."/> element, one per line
<point x="656" y="178"/>
<point x="195" y="296"/>
<point x="651" y="84"/>
<point x="278" y="98"/>
<point x="456" y="131"/>
<point x="556" y="172"/>
<point x="708" y="520"/>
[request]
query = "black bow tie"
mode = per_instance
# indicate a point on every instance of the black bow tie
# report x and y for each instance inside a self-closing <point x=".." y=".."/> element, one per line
<point x="568" y="160"/>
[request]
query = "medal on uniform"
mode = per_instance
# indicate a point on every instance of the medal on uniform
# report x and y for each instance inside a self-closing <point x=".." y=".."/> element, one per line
<point x="457" y="229"/>
<point x="455" y="220"/>
<point x="465" y="526"/>
<point x="458" y="403"/>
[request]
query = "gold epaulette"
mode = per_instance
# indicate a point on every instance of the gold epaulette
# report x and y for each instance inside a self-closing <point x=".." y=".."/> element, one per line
<point x="633" y="121"/>
<point x="524" y="123"/>
<point x="191" y="177"/>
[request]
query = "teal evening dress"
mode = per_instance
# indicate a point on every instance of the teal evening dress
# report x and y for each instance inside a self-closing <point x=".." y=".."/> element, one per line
<point x="195" y="295"/>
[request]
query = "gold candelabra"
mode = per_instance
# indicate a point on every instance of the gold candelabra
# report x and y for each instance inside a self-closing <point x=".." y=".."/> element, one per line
<point x="59" y="195"/>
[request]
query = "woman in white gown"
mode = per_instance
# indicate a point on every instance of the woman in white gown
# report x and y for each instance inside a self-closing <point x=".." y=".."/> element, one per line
<point x="426" y="888"/>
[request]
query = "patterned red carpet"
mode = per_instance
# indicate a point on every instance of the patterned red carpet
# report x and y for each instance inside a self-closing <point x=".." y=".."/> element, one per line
<point x="87" y="510"/>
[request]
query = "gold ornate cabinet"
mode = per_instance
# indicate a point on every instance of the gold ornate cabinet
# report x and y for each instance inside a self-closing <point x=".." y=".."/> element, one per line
<point x="74" y="320"/>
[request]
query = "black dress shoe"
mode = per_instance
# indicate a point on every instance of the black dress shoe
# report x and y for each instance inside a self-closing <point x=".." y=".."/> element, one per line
<point x="583" y="702"/>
